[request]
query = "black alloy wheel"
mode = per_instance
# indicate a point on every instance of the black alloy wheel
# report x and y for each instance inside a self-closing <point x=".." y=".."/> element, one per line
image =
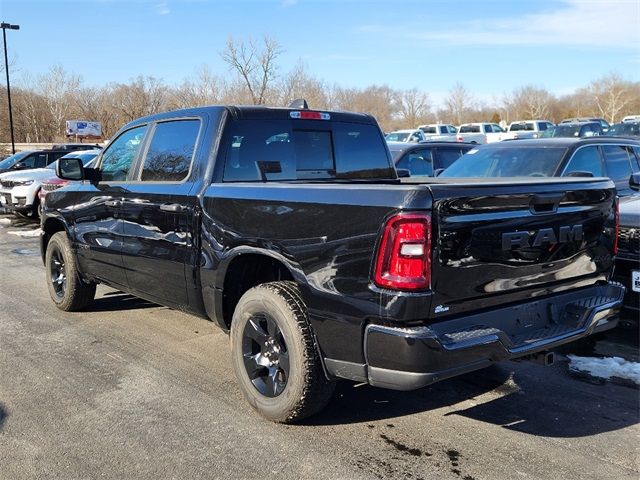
<point x="58" y="274"/>
<point x="265" y="355"/>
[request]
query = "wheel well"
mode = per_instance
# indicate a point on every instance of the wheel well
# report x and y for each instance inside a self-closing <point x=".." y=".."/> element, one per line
<point x="247" y="271"/>
<point x="50" y="227"/>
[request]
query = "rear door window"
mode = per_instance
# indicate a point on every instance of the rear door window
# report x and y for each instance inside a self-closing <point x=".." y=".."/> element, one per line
<point x="170" y="152"/>
<point x="618" y="165"/>
<point x="586" y="159"/>
<point x="447" y="155"/>
<point x="38" y="160"/>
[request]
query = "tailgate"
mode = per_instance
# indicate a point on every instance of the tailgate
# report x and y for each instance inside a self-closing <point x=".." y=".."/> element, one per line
<point x="502" y="242"/>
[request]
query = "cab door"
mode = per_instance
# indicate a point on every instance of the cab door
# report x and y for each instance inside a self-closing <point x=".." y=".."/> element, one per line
<point x="98" y="225"/>
<point x="159" y="215"/>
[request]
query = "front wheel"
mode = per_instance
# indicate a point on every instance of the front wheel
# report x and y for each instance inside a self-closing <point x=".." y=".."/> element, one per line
<point x="66" y="288"/>
<point x="274" y="354"/>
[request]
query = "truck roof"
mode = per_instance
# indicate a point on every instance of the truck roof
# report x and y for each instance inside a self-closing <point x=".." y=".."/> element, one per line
<point x="254" y="112"/>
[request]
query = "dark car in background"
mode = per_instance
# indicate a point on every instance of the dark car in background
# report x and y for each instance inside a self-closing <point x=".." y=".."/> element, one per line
<point x="625" y="129"/>
<point x="616" y="158"/>
<point x="627" y="269"/>
<point x="572" y="130"/>
<point x="603" y="123"/>
<point x="74" y="147"/>
<point x="426" y="159"/>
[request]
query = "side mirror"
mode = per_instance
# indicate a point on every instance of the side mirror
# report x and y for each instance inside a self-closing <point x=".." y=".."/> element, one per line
<point x="403" y="172"/>
<point x="634" y="181"/>
<point x="18" y="166"/>
<point x="70" y="169"/>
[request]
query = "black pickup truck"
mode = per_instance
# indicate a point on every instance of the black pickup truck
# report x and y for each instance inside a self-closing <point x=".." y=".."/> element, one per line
<point x="290" y="229"/>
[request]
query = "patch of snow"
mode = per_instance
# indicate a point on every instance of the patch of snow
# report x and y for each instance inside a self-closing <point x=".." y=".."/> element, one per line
<point x="606" y="367"/>
<point x="5" y="221"/>
<point x="26" y="233"/>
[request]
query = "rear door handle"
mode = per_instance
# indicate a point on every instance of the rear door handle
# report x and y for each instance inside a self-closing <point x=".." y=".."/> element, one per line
<point x="172" y="207"/>
<point x="113" y="203"/>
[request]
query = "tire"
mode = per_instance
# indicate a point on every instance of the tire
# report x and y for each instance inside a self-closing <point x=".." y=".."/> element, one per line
<point x="66" y="288"/>
<point x="274" y="354"/>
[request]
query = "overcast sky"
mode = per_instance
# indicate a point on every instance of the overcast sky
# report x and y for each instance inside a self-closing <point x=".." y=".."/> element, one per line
<point x="491" y="46"/>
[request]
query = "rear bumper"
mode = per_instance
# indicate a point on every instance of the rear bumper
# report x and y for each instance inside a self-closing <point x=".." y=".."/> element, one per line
<point x="410" y="358"/>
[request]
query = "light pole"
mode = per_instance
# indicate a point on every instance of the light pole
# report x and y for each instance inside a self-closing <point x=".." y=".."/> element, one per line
<point x="4" y="27"/>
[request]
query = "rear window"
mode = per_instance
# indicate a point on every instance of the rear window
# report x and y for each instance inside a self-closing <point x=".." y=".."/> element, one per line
<point x="510" y="161"/>
<point x="281" y="150"/>
<point x="470" y="129"/>
<point x="516" y="127"/>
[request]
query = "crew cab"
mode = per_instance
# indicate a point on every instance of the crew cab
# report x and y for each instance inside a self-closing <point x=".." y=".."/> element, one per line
<point x="291" y="230"/>
<point x="526" y="129"/>
<point x="481" y="133"/>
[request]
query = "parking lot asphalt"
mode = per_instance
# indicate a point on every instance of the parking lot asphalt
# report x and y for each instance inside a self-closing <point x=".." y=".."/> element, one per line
<point x="130" y="389"/>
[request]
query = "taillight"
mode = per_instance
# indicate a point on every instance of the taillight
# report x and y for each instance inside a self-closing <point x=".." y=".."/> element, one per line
<point x="459" y="138"/>
<point x="310" y="115"/>
<point x="404" y="256"/>
<point x="617" y="230"/>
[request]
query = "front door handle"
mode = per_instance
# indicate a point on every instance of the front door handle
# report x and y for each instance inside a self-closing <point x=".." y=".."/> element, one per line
<point x="113" y="203"/>
<point x="172" y="207"/>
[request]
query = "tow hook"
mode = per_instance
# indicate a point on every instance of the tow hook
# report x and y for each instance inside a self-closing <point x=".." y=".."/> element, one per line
<point x="541" y="358"/>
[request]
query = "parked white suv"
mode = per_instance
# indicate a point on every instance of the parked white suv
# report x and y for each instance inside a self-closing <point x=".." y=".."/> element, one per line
<point x="19" y="190"/>
<point x="480" y="133"/>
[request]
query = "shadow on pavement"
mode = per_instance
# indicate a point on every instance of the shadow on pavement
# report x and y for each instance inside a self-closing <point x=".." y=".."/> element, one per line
<point x="528" y="401"/>
<point x="3" y="416"/>
<point x="117" y="301"/>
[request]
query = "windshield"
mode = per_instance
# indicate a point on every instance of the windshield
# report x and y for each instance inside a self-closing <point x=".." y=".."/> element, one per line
<point x="511" y="161"/>
<point x="516" y="127"/>
<point x="397" y="137"/>
<point x="562" y="131"/>
<point x="9" y="161"/>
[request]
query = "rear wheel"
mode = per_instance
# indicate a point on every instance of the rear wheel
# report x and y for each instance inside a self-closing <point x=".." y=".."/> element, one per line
<point x="66" y="288"/>
<point x="274" y="354"/>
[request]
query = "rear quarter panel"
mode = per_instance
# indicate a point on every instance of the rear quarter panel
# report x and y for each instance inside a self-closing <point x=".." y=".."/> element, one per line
<point x="326" y="235"/>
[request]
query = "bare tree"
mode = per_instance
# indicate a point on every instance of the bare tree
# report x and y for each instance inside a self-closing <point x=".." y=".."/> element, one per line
<point x="254" y="64"/>
<point x="140" y="97"/>
<point x="59" y="89"/>
<point x="611" y="95"/>
<point x="205" y="88"/>
<point x="298" y="83"/>
<point x="528" y="103"/>
<point x="415" y="107"/>
<point x="458" y="102"/>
